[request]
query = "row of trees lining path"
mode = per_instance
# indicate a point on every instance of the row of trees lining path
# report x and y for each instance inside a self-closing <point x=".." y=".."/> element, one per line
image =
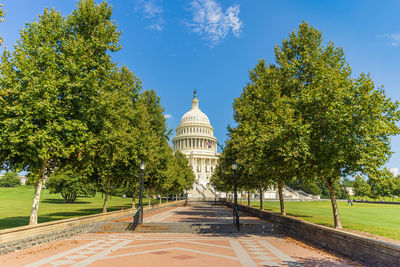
<point x="64" y="102"/>
<point x="305" y="117"/>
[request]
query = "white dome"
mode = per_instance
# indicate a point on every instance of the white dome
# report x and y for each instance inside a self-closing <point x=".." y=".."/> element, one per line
<point x="195" y="139"/>
<point x="195" y="114"/>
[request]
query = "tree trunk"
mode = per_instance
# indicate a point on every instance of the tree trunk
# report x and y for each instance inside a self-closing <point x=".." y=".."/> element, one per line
<point x="106" y="196"/>
<point x="160" y="199"/>
<point x="248" y="198"/>
<point x="36" y="199"/>
<point x="336" y="217"/>
<point x="261" y="198"/>
<point x="281" y="200"/>
<point x="148" y="198"/>
<point x="167" y="198"/>
<point x="134" y="197"/>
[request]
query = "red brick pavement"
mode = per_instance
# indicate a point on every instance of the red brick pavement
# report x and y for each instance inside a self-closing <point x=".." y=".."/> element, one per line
<point x="172" y="249"/>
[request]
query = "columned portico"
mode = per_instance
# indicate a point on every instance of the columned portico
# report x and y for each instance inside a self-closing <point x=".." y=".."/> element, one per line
<point x="195" y="138"/>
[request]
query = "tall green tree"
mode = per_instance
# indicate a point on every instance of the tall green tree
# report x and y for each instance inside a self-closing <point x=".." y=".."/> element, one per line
<point x="152" y="142"/>
<point x="49" y="89"/>
<point x="268" y="136"/>
<point x="349" y="121"/>
<point x="109" y="152"/>
<point x="185" y="177"/>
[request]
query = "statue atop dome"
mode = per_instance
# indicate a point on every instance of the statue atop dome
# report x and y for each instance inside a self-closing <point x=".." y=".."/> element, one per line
<point x="195" y="101"/>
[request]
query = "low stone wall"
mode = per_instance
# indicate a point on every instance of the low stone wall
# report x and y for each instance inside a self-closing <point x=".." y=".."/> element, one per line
<point x="363" y="249"/>
<point x="26" y="236"/>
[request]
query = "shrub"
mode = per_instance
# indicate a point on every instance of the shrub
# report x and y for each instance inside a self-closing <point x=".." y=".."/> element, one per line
<point x="70" y="185"/>
<point x="10" y="179"/>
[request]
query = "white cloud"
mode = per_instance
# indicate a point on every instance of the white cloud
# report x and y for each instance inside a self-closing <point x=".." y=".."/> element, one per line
<point x="212" y="23"/>
<point x="394" y="171"/>
<point x="394" y="38"/>
<point x="168" y="116"/>
<point x="153" y="11"/>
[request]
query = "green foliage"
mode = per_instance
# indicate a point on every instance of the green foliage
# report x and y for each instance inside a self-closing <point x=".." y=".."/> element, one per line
<point x="10" y="179"/>
<point x="70" y="185"/>
<point x="308" y="186"/>
<point x="347" y="182"/>
<point x="361" y="187"/>
<point x="49" y="88"/>
<point x="222" y="179"/>
<point x="383" y="184"/>
<point x="184" y="177"/>
<point x="349" y="121"/>
<point x="306" y="117"/>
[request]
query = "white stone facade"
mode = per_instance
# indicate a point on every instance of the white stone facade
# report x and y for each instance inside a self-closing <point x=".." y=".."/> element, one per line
<point x="195" y="139"/>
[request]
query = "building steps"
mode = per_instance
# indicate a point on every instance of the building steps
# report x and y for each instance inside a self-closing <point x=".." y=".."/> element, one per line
<point x="188" y="227"/>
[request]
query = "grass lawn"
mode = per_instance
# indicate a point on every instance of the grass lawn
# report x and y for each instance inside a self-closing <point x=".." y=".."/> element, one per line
<point x="380" y="219"/>
<point x="16" y="203"/>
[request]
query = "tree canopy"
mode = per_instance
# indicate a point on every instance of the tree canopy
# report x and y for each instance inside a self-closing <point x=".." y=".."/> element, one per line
<point x="305" y="117"/>
<point x="64" y="102"/>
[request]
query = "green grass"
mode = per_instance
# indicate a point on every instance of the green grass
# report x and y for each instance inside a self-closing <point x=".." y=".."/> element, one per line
<point x="16" y="203"/>
<point x="380" y="219"/>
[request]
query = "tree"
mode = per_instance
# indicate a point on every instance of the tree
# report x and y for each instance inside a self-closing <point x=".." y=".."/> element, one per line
<point x="10" y="179"/>
<point x="108" y="155"/>
<point x="152" y="144"/>
<point x="349" y="122"/>
<point x="268" y="136"/>
<point x="70" y="185"/>
<point x="185" y="177"/>
<point x="49" y="89"/>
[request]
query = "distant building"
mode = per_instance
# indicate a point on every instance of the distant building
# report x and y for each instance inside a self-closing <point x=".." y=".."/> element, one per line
<point x="350" y="191"/>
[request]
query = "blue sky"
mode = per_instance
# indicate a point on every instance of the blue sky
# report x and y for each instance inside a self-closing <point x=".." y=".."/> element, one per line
<point x="176" y="46"/>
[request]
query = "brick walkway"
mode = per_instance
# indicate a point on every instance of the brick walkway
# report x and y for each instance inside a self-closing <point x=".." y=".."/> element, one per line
<point x="174" y="249"/>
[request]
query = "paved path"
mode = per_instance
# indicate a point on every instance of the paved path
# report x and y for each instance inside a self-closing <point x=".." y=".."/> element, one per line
<point x="200" y="212"/>
<point x="170" y="249"/>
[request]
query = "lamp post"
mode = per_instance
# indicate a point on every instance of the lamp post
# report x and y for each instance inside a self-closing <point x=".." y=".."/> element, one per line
<point x="235" y="207"/>
<point x="142" y="167"/>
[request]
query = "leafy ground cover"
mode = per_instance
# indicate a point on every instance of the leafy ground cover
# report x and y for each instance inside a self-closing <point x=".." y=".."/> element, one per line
<point x="379" y="219"/>
<point x="16" y="202"/>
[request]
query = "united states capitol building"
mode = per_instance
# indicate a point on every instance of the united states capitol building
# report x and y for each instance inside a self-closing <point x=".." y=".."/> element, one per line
<point x="195" y="139"/>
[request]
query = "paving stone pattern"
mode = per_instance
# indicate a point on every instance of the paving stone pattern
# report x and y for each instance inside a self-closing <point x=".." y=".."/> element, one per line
<point x="174" y="249"/>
